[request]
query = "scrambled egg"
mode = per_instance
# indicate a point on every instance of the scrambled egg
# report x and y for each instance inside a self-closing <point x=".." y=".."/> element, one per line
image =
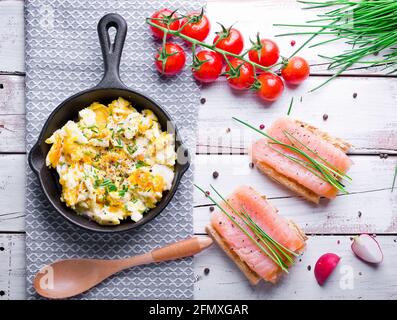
<point x="114" y="163"/>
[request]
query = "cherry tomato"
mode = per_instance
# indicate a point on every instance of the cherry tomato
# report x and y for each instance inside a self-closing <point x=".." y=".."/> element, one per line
<point x="296" y="70"/>
<point x="230" y="40"/>
<point x="269" y="86"/>
<point x="266" y="54"/>
<point x="198" y="28"/>
<point x="210" y="70"/>
<point x="174" y="58"/>
<point x="163" y="14"/>
<point x="240" y="78"/>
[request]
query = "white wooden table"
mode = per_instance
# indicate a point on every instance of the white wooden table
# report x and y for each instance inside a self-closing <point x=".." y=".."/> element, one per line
<point x="369" y="122"/>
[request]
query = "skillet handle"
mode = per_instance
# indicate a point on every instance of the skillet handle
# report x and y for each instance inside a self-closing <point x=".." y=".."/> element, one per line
<point x="184" y="159"/>
<point x="111" y="52"/>
<point x="35" y="159"/>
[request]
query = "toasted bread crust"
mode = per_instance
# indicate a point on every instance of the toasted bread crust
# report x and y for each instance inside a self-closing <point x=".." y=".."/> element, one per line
<point x="287" y="182"/>
<point x="299" y="232"/>
<point x="337" y="142"/>
<point x="252" y="277"/>
<point x="293" y="184"/>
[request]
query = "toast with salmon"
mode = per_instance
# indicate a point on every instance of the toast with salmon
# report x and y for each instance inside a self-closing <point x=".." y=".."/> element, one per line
<point x="293" y="175"/>
<point x="240" y="248"/>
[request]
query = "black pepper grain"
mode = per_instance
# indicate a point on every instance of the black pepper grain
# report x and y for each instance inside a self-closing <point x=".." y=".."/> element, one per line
<point x="354" y="95"/>
<point x="228" y="130"/>
<point x="309" y="267"/>
<point x="251" y="165"/>
<point x="206" y="271"/>
<point x="325" y="117"/>
<point x="212" y="208"/>
<point x="215" y="174"/>
<point x="203" y="100"/>
<point x="359" y="214"/>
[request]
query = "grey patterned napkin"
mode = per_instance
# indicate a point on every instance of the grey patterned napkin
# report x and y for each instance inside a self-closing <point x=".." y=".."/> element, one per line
<point x="63" y="57"/>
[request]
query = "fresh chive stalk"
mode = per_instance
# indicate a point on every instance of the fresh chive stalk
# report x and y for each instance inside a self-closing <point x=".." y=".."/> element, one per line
<point x="290" y="106"/>
<point x="394" y="179"/>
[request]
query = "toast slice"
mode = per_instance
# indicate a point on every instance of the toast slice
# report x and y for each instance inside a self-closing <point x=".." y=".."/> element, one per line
<point x="252" y="277"/>
<point x="292" y="184"/>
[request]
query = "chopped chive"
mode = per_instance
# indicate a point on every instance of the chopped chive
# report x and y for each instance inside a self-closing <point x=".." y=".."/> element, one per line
<point x="140" y="164"/>
<point x="132" y="150"/>
<point x="290" y="106"/>
<point x="394" y="179"/>
<point x="119" y="143"/>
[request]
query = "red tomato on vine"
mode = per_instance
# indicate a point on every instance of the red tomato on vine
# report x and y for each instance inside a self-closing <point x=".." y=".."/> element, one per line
<point x="239" y="74"/>
<point x="161" y="17"/>
<point x="269" y="86"/>
<point x="264" y="52"/>
<point x="196" y="26"/>
<point x="171" y="60"/>
<point x="296" y="71"/>
<point x="207" y="66"/>
<point x="230" y="40"/>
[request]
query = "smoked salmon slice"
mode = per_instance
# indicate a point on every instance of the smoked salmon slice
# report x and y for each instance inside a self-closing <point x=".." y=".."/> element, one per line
<point x="240" y="247"/>
<point x="296" y="177"/>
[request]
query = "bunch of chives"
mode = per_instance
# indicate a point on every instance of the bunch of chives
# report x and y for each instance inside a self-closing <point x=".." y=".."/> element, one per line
<point x="368" y="26"/>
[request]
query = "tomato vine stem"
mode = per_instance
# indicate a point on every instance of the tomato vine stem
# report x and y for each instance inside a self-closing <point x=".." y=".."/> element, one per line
<point x="177" y="33"/>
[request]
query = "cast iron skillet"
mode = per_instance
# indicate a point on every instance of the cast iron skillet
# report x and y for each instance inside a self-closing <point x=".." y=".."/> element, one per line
<point x="109" y="88"/>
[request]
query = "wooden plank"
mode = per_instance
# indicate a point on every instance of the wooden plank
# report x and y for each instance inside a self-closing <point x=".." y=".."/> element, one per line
<point x="12" y="133"/>
<point x="12" y="95"/>
<point x="352" y="279"/>
<point x="248" y="18"/>
<point x="12" y="194"/>
<point x="12" y="266"/>
<point x="370" y="195"/>
<point x="12" y="113"/>
<point x="368" y="121"/>
<point x="12" y="39"/>
<point x="370" y="206"/>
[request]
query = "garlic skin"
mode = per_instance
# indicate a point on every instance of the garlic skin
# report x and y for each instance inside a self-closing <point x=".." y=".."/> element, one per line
<point x="367" y="248"/>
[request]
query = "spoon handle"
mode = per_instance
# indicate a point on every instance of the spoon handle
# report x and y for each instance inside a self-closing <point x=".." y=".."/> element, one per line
<point x="181" y="249"/>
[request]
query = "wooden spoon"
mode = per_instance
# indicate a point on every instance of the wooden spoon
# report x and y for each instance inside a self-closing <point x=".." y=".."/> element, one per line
<point x="68" y="278"/>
